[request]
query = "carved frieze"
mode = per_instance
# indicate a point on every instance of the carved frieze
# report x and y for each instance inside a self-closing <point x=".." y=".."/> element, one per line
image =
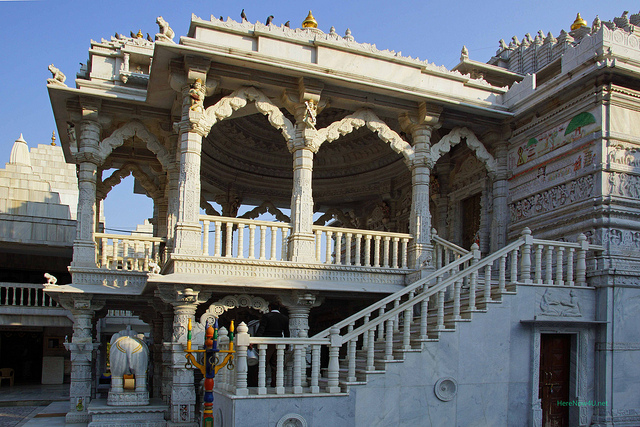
<point x="622" y="155"/>
<point x="623" y="184"/>
<point x="553" y="198"/>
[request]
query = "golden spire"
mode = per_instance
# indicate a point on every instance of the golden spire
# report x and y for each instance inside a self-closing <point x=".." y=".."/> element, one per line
<point x="309" y="22"/>
<point x="579" y="22"/>
<point x="53" y="138"/>
<point x="139" y="35"/>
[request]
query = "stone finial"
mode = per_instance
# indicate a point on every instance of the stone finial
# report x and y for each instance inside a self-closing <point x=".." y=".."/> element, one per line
<point x="332" y="31"/>
<point x="579" y="22"/>
<point x="309" y="21"/>
<point x="550" y="38"/>
<point x="464" y="54"/>
<point x="53" y="138"/>
<point x="595" y="26"/>
<point x="348" y="36"/>
<point x="503" y="45"/>
<point x="20" y="153"/>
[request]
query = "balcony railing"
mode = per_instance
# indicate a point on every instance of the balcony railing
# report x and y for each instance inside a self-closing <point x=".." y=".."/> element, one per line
<point x="25" y="295"/>
<point x="124" y="252"/>
<point x="240" y="238"/>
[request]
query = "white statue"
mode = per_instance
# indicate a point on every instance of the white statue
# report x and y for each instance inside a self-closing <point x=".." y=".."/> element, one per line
<point x="51" y="279"/>
<point x="166" y="33"/>
<point x="155" y="268"/>
<point x="58" y="76"/>
<point x="128" y="355"/>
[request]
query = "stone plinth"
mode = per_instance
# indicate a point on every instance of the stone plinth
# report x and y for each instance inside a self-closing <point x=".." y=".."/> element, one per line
<point x="103" y="415"/>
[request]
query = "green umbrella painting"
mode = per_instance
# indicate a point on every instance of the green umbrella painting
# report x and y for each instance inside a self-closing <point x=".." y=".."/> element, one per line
<point x="579" y="121"/>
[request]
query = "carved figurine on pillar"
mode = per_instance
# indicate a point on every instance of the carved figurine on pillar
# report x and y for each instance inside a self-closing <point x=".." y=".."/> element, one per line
<point x="305" y="105"/>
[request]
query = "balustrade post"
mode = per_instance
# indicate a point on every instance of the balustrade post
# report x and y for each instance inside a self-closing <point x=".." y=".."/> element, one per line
<point x="315" y="369"/>
<point x="242" y="343"/>
<point x="297" y="368"/>
<point x="333" y="383"/>
<point x="385" y="250"/>
<point x="262" y="369"/>
<point x="218" y="239"/>
<point x="280" y="368"/>
<point x="525" y="263"/>
<point x="338" y="251"/>
<point x="487" y="283"/>
<point x="559" y="261"/>
<point x="358" y="243"/>
<point x="347" y="249"/>
<point x="240" y="240"/>
<point x="424" y="312"/>
<point x="371" y="349"/>
<point x="376" y="250"/>
<point x="502" y="275"/>
<point x="570" y="255"/>
<point x="328" y="244"/>
<point x="549" y="265"/>
<point x="252" y="241"/>
<point x="581" y="263"/>
<point x="367" y="250"/>
<point x="351" y="375"/>
<point x="228" y="250"/>
<point x="538" y="265"/>
<point x="388" y="348"/>
<point x="394" y="255"/>
<point x="456" y="299"/>
<point x="440" y="315"/>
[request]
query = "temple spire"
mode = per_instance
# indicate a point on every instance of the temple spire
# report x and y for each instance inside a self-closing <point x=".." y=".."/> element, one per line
<point x="20" y="153"/>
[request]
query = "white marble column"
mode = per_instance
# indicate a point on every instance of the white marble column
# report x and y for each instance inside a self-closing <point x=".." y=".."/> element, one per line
<point x="82" y="350"/>
<point x="420" y="127"/>
<point x="302" y="240"/>
<point x="500" y="218"/>
<point x="172" y="196"/>
<point x="84" y="246"/>
<point x="188" y="230"/>
<point x="182" y="399"/>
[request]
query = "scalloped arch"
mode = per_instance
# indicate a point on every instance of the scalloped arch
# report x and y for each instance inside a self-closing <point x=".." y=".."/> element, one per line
<point x="453" y="138"/>
<point x="234" y="301"/>
<point x="358" y="119"/>
<point x="129" y="130"/>
<point x="105" y="187"/>
<point x="224" y="108"/>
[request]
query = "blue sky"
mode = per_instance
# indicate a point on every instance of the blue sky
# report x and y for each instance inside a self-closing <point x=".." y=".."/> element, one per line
<point x="38" y="33"/>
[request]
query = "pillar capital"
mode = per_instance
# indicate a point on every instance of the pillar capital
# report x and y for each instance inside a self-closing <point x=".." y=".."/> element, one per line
<point x="423" y="121"/>
<point x="299" y="304"/>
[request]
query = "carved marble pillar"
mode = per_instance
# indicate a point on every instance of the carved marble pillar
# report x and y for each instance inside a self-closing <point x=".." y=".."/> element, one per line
<point x="443" y="169"/>
<point x="302" y="240"/>
<point x="299" y="305"/>
<point x="167" y="365"/>
<point x="82" y="350"/>
<point x="192" y="84"/>
<point x="182" y="390"/>
<point x="171" y="194"/>
<point x="420" y="127"/>
<point x="84" y="247"/>
<point x="188" y="230"/>
<point x="500" y="217"/>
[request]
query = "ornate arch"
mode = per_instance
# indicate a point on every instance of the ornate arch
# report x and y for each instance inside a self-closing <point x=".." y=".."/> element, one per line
<point x="116" y="178"/>
<point x="358" y="119"/>
<point x="233" y="301"/>
<point x="224" y="108"/>
<point x="129" y="130"/>
<point x="454" y="138"/>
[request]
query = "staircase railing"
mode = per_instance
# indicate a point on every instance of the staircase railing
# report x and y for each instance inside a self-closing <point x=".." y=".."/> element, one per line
<point x="372" y="329"/>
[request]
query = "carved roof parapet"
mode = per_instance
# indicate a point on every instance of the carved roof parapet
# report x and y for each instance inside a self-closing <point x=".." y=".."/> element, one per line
<point x="331" y="39"/>
<point x="509" y="56"/>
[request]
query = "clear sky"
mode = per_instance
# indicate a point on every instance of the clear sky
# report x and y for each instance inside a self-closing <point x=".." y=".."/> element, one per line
<point x="38" y="33"/>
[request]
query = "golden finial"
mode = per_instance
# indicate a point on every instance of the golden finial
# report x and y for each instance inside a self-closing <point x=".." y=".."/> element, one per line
<point x="139" y="35"/>
<point x="310" y="22"/>
<point x="579" y="22"/>
<point x="53" y="138"/>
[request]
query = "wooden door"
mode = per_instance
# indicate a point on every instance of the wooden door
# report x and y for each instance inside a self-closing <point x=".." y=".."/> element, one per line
<point x="555" y="354"/>
<point x="470" y="220"/>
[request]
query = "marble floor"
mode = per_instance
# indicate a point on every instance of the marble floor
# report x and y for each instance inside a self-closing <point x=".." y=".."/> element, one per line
<point x="33" y="405"/>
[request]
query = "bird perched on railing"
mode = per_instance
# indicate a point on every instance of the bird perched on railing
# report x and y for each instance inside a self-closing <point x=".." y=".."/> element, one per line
<point x="269" y="20"/>
<point x="243" y="16"/>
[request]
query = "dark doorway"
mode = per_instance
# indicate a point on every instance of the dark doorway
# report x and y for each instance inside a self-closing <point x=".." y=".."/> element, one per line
<point x="22" y="351"/>
<point x="555" y="357"/>
<point x="470" y="220"/>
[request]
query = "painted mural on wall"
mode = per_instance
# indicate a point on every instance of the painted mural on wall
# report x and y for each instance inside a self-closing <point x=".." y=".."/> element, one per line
<point x="578" y="127"/>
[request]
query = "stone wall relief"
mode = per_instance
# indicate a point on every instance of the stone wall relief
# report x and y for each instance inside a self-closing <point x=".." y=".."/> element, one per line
<point x="620" y="154"/>
<point x="623" y="184"/>
<point x="578" y="127"/>
<point x="558" y="304"/>
<point x="561" y="195"/>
